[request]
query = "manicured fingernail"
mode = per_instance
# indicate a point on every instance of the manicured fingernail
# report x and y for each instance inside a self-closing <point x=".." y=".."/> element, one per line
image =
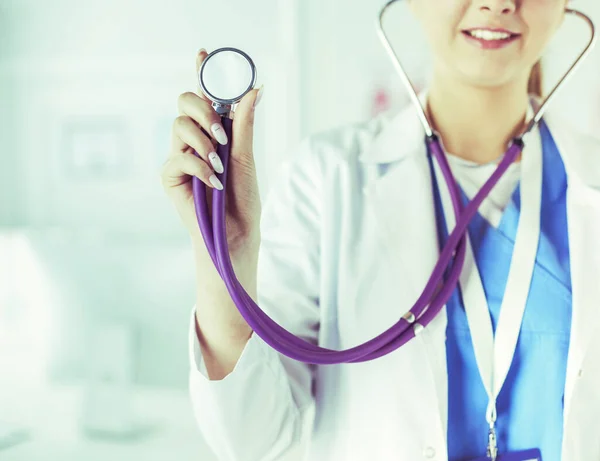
<point x="215" y="161"/>
<point x="258" y="97"/>
<point x="219" y="133"/>
<point x="215" y="182"/>
<point x="201" y="50"/>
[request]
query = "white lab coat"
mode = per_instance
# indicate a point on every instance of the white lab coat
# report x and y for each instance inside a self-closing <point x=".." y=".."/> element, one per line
<point x="349" y="241"/>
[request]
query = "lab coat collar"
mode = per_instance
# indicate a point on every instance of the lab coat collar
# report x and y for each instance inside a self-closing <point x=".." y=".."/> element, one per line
<point x="402" y="135"/>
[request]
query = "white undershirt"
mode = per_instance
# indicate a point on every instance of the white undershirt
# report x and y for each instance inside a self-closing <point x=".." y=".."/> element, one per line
<point x="472" y="176"/>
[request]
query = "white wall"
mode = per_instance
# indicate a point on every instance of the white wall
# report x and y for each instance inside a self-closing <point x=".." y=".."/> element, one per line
<point x="110" y="251"/>
<point x="9" y="180"/>
<point x="104" y="241"/>
<point x="126" y="62"/>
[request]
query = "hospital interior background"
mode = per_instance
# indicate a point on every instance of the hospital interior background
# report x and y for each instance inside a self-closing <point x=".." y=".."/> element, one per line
<point x="96" y="272"/>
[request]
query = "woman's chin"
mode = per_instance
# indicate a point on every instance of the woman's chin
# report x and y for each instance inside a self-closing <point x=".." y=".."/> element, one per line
<point x="492" y="81"/>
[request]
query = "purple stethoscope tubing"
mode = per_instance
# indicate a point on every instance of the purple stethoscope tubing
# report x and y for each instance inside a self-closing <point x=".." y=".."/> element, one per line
<point x="214" y="235"/>
<point x="431" y="300"/>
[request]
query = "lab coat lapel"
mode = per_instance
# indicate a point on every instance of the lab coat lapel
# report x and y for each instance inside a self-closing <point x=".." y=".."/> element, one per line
<point x="581" y="156"/>
<point x="401" y="199"/>
<point x="402" y="203"/>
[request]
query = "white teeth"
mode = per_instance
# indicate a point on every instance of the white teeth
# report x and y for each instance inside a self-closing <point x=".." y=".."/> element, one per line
<point x="488" y="34"/>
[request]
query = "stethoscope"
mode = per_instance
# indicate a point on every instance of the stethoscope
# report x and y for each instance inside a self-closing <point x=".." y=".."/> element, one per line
<point x="226" y="75"/>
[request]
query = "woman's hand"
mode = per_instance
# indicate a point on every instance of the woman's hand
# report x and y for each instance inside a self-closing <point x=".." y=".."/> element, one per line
<point x="199" y="128"/>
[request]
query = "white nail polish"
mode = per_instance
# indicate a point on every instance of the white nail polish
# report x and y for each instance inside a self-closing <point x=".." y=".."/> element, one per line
<point x="258" y="96"/>
<point x="219" y="133"/>
<point x="215" y="161"/>
<point x="215" y="182"/>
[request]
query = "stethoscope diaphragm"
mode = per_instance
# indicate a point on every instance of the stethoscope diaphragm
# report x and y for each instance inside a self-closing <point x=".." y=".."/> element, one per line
<point x="225" y="76"/>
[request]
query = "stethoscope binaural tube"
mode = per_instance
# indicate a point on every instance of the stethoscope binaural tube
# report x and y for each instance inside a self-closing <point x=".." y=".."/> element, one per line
<point x="437" y="290"/>
<point x="429" y="131"/>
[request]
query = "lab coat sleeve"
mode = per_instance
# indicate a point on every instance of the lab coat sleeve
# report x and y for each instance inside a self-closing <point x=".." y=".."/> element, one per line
<point x="263" y="409"/>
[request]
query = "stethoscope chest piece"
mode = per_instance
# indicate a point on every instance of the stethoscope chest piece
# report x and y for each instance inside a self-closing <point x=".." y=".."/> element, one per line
<point x="226" y="75"/>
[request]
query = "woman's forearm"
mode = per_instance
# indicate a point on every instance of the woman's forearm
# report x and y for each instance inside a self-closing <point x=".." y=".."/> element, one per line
<point x="221" y="329"/>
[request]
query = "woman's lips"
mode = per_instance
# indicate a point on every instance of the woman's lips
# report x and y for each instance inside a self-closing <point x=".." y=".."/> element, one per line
<point x="487" y="40"/>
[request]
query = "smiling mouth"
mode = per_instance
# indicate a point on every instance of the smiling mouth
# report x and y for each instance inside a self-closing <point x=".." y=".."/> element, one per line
<point x="490" y="38"/>
<point x="490" y="35"/>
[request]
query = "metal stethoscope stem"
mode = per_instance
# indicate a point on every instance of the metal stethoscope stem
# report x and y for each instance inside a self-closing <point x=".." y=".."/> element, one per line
<point x="429" y="131"/>
<point x="438" y="288"/>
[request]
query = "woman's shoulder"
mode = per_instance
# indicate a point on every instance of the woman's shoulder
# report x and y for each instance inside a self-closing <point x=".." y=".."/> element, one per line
<point x="345" y="143"/>
<point x="579" y="148"/>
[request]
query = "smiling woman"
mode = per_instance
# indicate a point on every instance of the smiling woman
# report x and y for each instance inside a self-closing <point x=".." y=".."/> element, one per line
<point x="520" y="34"/>
<point x="360" y="221"/>
<point x="499" y="38"/>
<point x="485" y="54"/>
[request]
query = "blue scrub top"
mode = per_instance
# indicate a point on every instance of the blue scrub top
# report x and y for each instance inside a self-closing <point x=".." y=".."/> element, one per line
<point x="530" y="404"/>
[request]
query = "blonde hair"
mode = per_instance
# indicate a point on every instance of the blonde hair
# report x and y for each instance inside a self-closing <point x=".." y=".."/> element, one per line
<point x="535" y="85"/>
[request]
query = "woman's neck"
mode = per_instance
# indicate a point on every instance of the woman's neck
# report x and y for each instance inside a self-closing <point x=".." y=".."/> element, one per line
<point x="476" y="124"/>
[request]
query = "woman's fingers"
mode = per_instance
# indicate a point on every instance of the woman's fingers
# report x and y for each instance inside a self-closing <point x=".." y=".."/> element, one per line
<point x="201" y="111"/>
<point x="188" y="105"/>
<point x="200" y="57"/>
<point x="186" y="133"/>
<point x="178" y="167"/>
<point x="191" y="135"/>
<point x="243" y="127"/>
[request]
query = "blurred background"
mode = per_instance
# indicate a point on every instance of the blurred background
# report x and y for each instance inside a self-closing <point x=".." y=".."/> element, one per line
<point x="96" y="273"/>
